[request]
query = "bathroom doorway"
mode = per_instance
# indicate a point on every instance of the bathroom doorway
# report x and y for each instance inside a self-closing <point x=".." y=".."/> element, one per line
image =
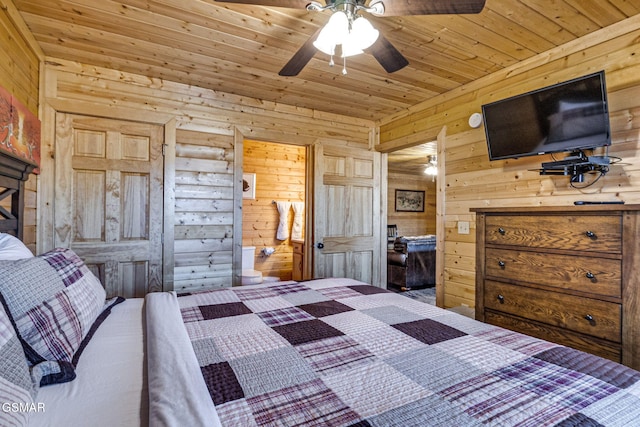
<point x="274" y="208"/>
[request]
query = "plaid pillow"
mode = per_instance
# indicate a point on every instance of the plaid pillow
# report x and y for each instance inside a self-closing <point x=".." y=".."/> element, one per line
<point x="17" y="391"/>
<point x="53" y="299"/>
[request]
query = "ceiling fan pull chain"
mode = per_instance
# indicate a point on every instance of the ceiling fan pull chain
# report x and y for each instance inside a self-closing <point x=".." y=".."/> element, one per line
<point x="344" y="66"/>
<point x="331" y="63"/>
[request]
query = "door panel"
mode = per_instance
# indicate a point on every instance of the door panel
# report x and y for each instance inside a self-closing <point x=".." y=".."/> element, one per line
<point x="89" y="206"/>
<point x="109" y="200"/>
<point x="347" y="213"/>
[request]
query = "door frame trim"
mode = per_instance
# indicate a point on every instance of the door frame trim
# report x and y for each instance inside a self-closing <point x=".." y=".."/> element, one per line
<point x="168" y="218"/>
<point x="45" y="202"/>
<point x="378" y="271"/>
<point x="239" y="138"/>
<point x="441" y="189"/>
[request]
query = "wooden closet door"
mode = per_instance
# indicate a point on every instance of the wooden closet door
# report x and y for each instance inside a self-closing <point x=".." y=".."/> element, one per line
<point x="109" y="199"/>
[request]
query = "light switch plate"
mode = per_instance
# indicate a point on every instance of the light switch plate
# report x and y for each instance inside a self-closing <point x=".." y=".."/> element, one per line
<point x="463" y="227"/>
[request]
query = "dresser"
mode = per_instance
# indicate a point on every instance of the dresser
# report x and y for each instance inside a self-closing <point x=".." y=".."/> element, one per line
<point x="569" y="275"/>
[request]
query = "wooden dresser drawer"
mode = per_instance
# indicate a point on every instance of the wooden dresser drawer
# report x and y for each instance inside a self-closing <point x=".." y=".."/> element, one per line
<point x="590" y="316"/>
<point x="543" y="331"/>
<point x="599" y="276"/>
<point x="586" y="233"/>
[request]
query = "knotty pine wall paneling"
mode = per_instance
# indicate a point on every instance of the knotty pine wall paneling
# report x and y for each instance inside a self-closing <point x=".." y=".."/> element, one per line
<point x="412" y="223"/>
<point x="19" y="75"/>
<point x="206" y="122"/>
<point x="20" y="65"/>
<point x="280" y="176"/>
<point x="473" y="181"/>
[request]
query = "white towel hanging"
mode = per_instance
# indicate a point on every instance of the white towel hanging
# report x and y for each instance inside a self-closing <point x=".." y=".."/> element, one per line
<point x="283" y="229"/>
<point x="296" y="229"/>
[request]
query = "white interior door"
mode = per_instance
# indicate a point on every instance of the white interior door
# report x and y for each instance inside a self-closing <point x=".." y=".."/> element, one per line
<point x="347" y="214"/>
<point x="108" y="203"/>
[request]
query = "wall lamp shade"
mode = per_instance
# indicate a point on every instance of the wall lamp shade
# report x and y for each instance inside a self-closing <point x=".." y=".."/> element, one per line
<point x="354" y="36"/>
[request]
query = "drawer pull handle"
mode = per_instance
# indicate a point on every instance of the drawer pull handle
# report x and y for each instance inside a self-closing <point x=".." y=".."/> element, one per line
<point x="501" y="264"/>
<point x="501" y="231"/>
<point x="590" y="275"/>
<point x="501" y="299"/>
<point x="591" y="235"/>
<point x="589" y="318"/>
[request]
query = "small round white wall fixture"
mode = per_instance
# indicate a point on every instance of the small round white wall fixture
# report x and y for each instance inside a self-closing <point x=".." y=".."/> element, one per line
<point x="475" y="120"/>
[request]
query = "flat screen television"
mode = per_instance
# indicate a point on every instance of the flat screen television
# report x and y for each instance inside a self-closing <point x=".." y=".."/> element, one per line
<point x="566" y="117"/>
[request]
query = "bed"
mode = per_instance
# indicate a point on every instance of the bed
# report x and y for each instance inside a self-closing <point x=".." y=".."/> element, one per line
<point x="14" y="171"/>
<point x="325" y="352"/>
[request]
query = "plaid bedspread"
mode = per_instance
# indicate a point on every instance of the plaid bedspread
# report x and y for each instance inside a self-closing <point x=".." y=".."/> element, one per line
<point x="337" y="352"/>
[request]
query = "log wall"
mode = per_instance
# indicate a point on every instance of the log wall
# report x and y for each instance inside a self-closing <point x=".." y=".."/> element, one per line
<point x="19" y="75"/>
<point x="473" y="181"/>
<point x="203" y="247"/>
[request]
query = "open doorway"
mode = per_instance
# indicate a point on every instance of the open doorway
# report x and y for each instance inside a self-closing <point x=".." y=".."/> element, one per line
<point x="273" y="210"/>
<point x="406" y="171"/>
<point x="412" y="219"/>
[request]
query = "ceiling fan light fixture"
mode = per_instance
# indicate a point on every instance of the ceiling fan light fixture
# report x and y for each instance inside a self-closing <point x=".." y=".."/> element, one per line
<point x="336" y="30"/>
<point x="354" y="34"/>
<point x="431" y="170"/>
<point x="350" y="47"/>
<point x="376" y="8"/>
<point x="363" y="32"/>
<point x="380" y="48"/>
<point x="325" y="45"/>
<point x="432" y="166"/>
<point x="315" y="6"/>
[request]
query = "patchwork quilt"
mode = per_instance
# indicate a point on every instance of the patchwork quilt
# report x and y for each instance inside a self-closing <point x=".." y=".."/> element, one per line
<point x="338" y="352"/>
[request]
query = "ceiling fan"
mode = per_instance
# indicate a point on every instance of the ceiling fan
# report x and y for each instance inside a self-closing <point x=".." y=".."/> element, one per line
<point x="327" y="39"/>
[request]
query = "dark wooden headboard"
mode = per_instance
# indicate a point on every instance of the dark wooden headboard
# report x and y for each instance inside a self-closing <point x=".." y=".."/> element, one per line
<point x="13" y="173"/>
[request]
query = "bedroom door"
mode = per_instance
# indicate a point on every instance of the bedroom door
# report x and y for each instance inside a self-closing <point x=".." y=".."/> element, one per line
<point x="109" y="199"/>
<point x="347" y="213"/>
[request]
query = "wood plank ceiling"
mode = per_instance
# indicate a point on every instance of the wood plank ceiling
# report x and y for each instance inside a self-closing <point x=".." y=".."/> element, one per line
<point x="239" y="49"/>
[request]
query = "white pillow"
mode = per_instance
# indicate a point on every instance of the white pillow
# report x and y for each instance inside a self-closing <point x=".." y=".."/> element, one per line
<point x="16" y="386"/>
<point x="11" y="248"/>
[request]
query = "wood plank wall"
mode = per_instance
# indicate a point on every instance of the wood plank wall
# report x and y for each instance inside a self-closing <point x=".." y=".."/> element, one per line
<point x="473" y="181"/>
<point x="19" y="68"/>
<point x="19" y="75"/>
<point x="222" y="119"/>
<point x="280" y="176"/>
<point x="203" y="210"/>
<point x="412" y="223"/>
<point x="470" y="179"/>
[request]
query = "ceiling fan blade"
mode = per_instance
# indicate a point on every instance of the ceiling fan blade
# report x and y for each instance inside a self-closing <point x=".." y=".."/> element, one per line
<point x="293" y="4"/>
<point x="430" y="7"/>
<point x="387" y="55"/>
<point x="301" y="57"/>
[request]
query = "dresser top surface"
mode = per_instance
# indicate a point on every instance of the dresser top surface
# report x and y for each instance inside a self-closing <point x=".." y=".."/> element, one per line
<point x="559" y="209"/>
